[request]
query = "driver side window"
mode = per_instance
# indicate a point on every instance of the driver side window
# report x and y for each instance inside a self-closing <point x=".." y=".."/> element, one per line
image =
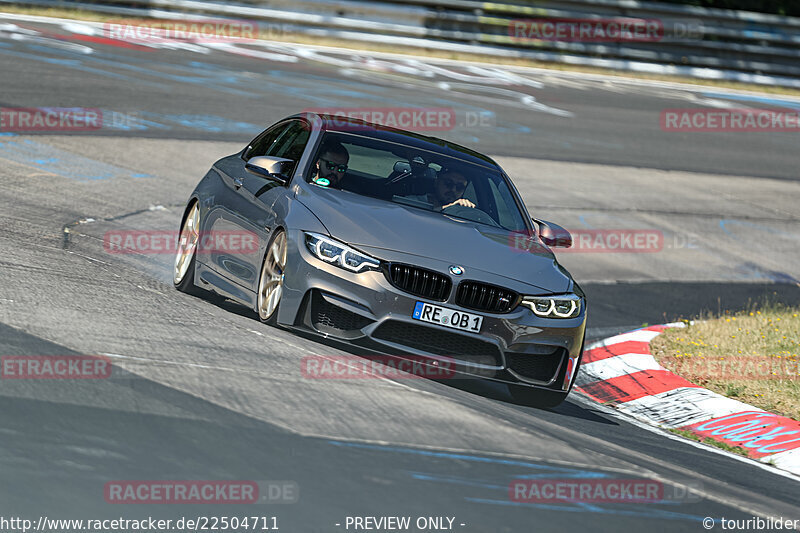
<point x="287" y="140"/>
<point x="264" y="143"/>
<point x="292" y="143"/>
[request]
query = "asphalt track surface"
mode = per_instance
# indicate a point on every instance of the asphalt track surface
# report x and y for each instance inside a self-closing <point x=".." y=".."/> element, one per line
<point x="201" y="390"/>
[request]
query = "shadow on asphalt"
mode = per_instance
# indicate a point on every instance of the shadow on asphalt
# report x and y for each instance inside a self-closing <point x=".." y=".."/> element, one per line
<point x="611" y="305"/>
<point x="479" y="387"/>
<point x="621" y="304"/>
<point x="65" y="440"/>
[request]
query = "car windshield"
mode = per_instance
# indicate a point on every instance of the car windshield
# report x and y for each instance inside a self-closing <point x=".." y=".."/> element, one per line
<point x="416" y="178"/>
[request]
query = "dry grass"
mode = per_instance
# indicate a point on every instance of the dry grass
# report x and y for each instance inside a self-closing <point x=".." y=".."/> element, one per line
<point x="288" y="37"/>
<point x="711" y="442"/>
<point x="751" y="356"/>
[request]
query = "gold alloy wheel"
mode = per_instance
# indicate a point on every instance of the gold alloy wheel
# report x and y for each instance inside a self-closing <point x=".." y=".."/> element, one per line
<point x="270" y="285"/>
<point x="187" y="245"/>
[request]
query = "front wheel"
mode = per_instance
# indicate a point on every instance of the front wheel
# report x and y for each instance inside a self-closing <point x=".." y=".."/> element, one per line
<point x="183" y="271"/>
<point x="270" y="283"/>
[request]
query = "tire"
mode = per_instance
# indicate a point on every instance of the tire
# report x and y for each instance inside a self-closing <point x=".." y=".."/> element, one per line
<point x="186" y="255"/>
<point x="270" y="282"/>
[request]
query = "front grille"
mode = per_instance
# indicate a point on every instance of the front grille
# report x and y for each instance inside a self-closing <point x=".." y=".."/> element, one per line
<point x="419" y="281"/>
<point x="327" y="315"/>
<point x="542" y="367"/>
<point x="437" y="341"/>
<point x="485" y="297"/>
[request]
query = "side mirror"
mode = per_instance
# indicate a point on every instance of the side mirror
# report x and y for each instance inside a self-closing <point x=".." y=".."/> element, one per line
<point x="553" y="234"/>
<point x="271" y="168"/>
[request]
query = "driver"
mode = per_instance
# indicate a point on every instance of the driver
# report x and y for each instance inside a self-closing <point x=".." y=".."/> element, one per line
<point x="331" y="165"/>
<point x="448" y="191"/>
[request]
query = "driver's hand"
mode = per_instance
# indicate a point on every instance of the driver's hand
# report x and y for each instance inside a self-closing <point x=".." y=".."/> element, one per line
<point x="461" y="201"/>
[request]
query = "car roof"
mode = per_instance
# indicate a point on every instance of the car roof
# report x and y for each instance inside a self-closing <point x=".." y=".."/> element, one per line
<point x="343" y="124"/>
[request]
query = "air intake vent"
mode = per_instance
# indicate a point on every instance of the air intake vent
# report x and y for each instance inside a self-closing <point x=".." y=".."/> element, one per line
<point x="540" y="367"/>
<point x="485" y="297"/>
<point x="327" y="316"/>
<point x="419" y="281"/>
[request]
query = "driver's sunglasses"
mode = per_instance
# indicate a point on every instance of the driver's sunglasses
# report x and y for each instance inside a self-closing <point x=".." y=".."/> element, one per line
<point x="455" y="184"/>
<point x="333" y="166"/>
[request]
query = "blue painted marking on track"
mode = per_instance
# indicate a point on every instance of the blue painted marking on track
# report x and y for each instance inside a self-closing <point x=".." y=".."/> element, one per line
<point x="577" y="474"/>
<point x="458" y="481"/>
<point x="205" y="81"/>
<point x="146" y="120"/>
<point x="313" y="89"/>
<point x="77" y="61"/>
<point x="587" y="508"/>
<point x="723" y="223"/>
<point x="71" y="63"/>
<point x="504" y="487"/>
<point x="62" y="162"/>
<point x="213" y="123"/>
<point x="512" y="128"/>
<point x="544" y="472"/>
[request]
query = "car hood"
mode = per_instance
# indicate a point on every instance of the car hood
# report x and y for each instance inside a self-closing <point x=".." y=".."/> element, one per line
<point x="376" y="224"/>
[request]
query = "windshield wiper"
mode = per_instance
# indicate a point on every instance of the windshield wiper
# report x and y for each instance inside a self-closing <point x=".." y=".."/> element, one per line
<point x="403" y="175"/>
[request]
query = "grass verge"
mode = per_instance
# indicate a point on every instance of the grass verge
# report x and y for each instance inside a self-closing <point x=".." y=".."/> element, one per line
<point x="751" y="356"/>
<point x="299" y="38"/>
<point x="711" y="442"/>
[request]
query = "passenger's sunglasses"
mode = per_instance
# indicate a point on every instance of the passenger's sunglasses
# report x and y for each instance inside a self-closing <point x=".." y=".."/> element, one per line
<point x="333" y="166"/>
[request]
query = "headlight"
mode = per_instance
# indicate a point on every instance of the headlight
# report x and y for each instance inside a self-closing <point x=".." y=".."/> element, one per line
<point x="566" y="306"/>
<point x="339" y="254"/>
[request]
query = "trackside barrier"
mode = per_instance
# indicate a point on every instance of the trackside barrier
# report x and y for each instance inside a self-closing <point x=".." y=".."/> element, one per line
<point x="691" y="41"/>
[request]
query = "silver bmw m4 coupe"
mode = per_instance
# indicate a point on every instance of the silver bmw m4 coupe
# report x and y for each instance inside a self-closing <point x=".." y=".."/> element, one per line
<point x="395" y="242"/>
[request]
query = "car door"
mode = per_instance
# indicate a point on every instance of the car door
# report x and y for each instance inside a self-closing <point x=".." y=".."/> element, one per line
<point x="248" y="212"/>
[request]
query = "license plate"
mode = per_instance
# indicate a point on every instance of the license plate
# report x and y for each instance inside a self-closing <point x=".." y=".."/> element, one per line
<point x="443" y="316"/>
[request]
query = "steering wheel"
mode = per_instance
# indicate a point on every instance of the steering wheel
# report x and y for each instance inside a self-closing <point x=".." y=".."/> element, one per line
<point x="470" y="213"/>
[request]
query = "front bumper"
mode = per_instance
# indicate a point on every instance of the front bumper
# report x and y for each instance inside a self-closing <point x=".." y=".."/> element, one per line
<point x="365" y="309"/>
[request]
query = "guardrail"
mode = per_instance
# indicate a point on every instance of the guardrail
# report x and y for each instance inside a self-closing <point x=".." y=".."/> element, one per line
<point x="693" y="41"/>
